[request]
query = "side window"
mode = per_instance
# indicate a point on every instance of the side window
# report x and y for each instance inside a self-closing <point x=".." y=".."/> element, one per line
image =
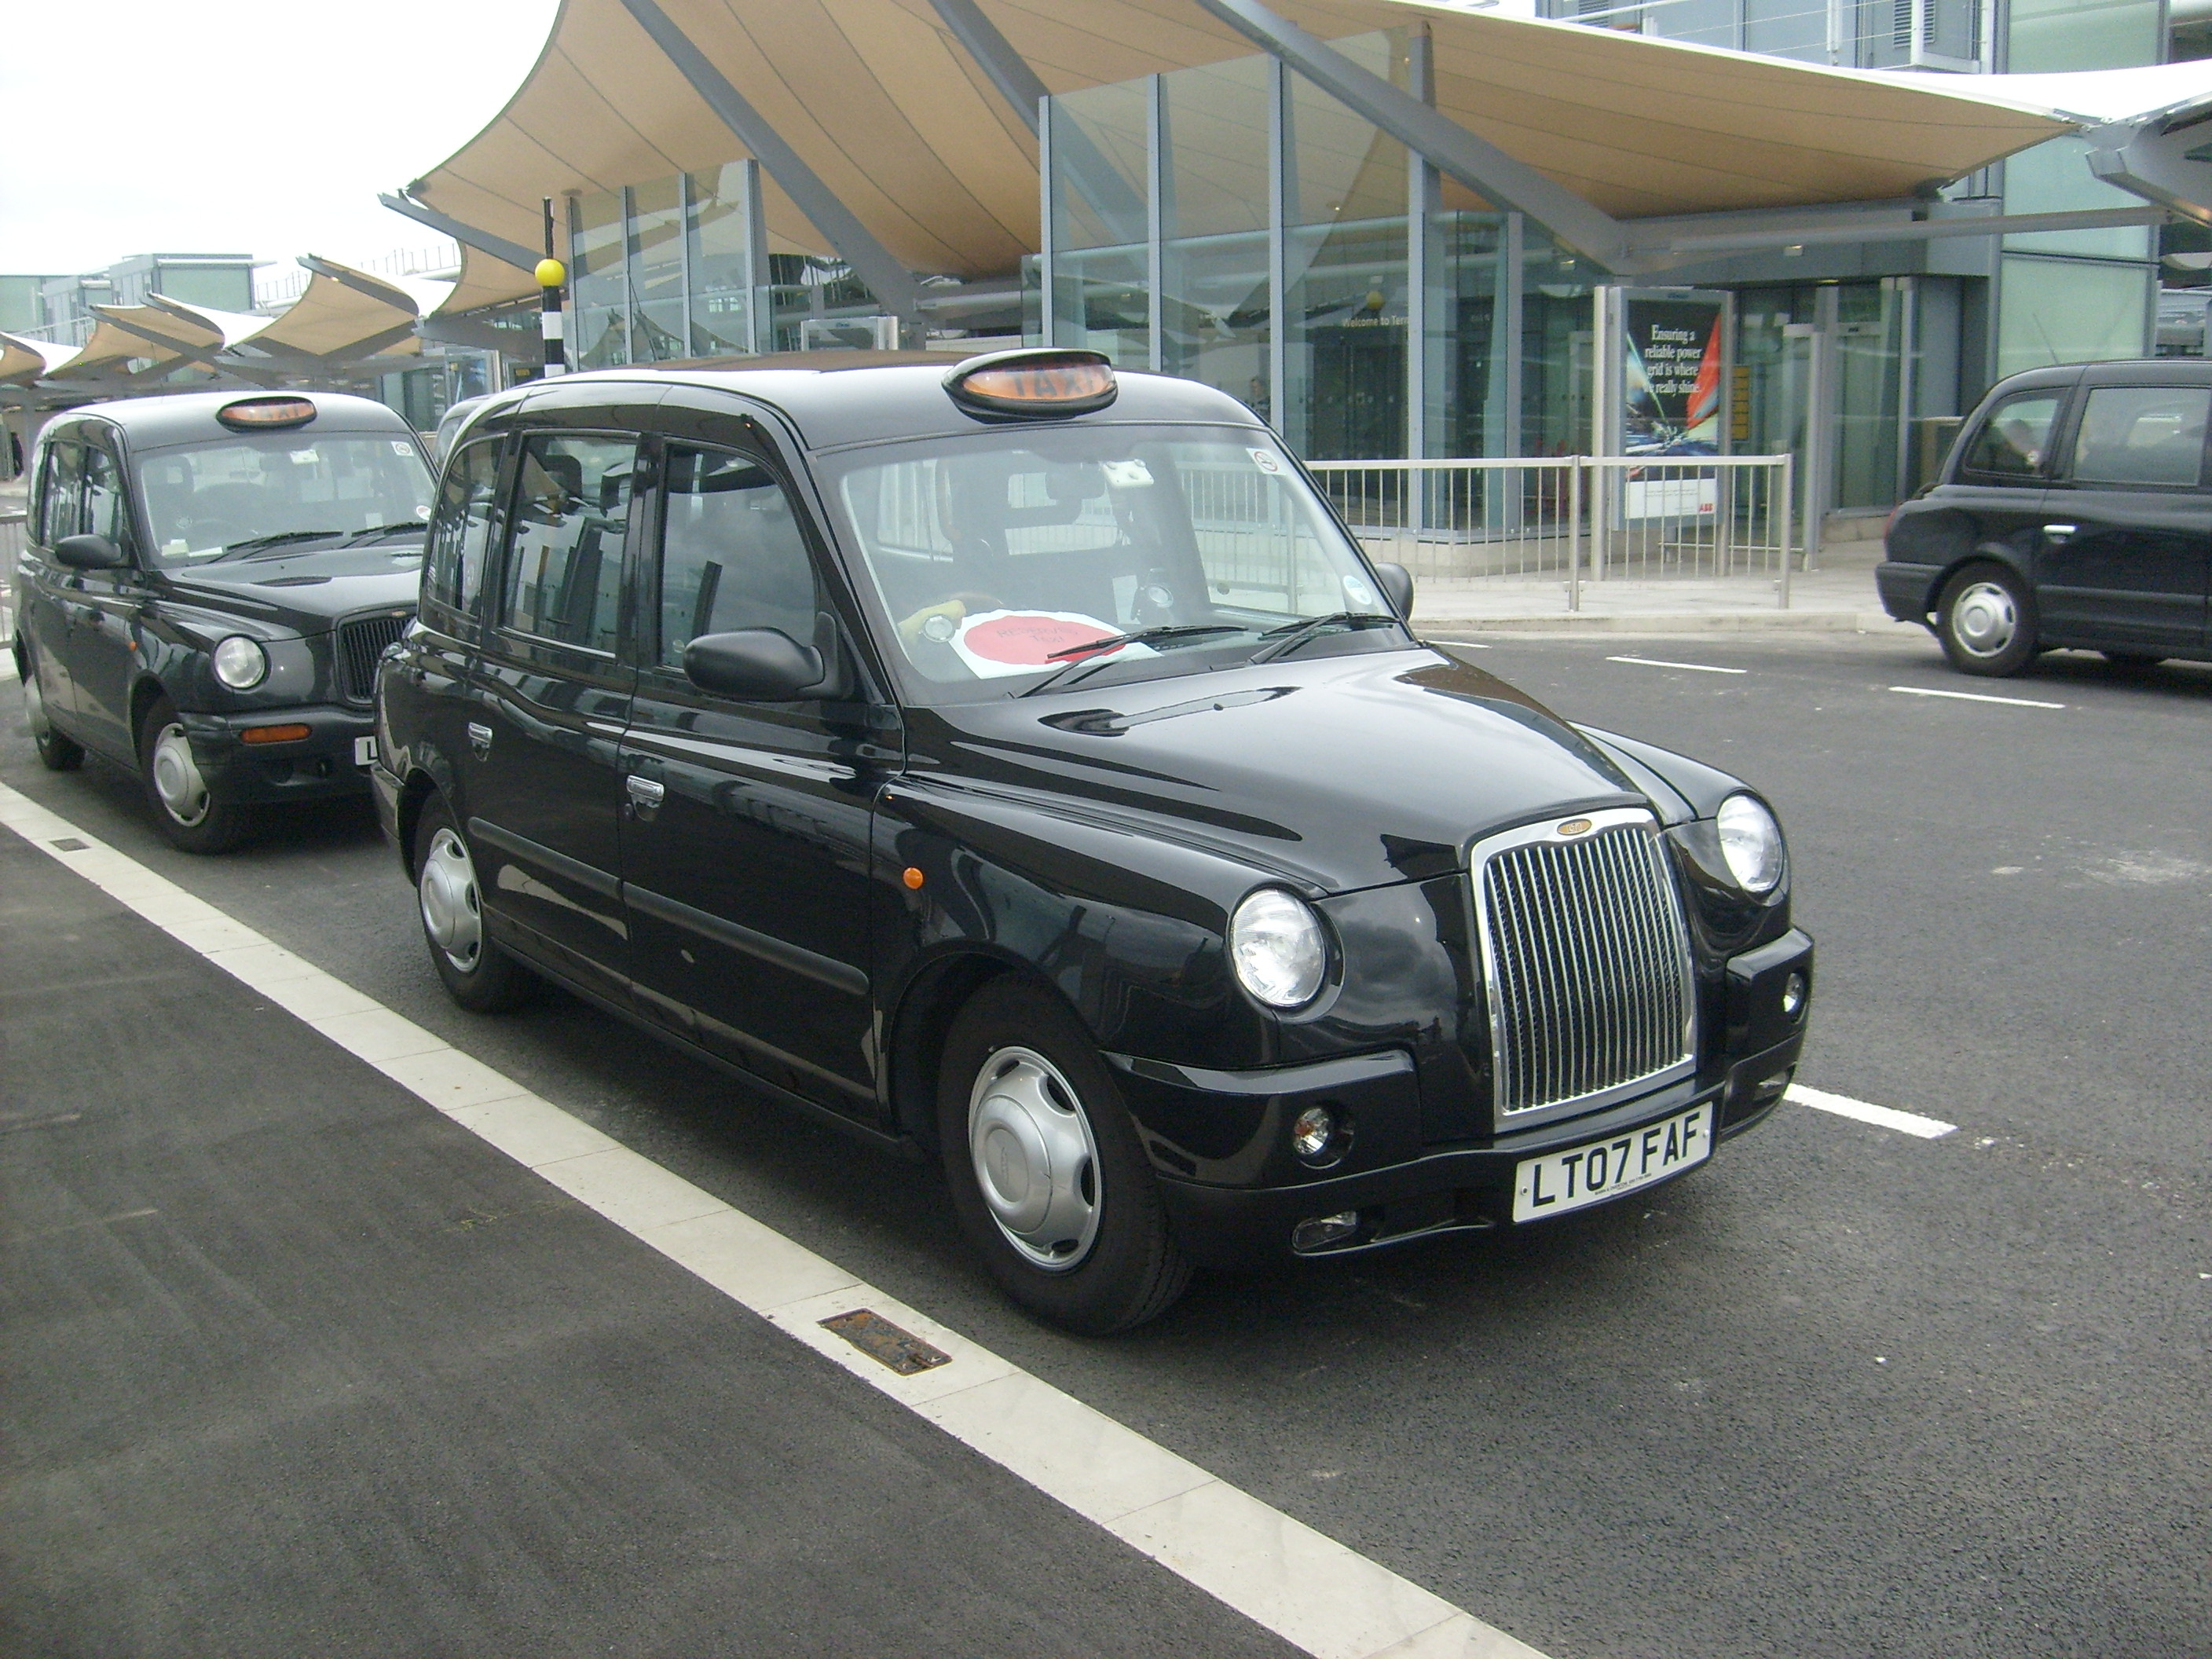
<point x="59" y="504"/>
<point x="564" y="556"/>
<point x="460" y="528"/>
<point x="106" y="501"/>
<point x="2142" y="434"/>
<point x="733" y="556"/>
<point x="2010" y="445"/>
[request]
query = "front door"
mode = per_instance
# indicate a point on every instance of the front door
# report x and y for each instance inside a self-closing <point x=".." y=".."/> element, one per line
<point x="2127" y="529"/>
<point x="102" y="639"/>
<point x="54" y="598"/>
<point x="548" y="699"/>
<point x="746" y="846"/>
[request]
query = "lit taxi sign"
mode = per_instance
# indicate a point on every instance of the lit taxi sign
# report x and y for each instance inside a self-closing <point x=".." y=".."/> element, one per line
<point x="261" y="414"/>
<point x="1033" y="385"/>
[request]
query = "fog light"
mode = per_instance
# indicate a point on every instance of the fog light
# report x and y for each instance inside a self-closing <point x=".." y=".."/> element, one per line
<point x="1313" y="1134"/>
<point x="1793" y="994"/>
<point x="1771" y="1088"/>
<point x="1323" y="1230"/>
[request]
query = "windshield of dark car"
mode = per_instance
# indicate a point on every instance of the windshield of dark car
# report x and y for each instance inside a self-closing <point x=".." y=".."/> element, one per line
<point x="995" y="557"/>
<point x="206" y="499"/>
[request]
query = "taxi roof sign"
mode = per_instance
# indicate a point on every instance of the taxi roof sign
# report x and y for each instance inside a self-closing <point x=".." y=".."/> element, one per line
<point x="1037" y="383"/>
<point x="261" y="413"/>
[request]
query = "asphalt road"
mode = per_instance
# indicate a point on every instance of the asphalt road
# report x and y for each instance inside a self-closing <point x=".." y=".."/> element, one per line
<point x="1846" y="1392"/>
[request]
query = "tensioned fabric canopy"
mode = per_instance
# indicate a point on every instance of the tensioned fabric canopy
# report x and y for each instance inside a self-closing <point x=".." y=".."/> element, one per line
<point x="899" y="121"/>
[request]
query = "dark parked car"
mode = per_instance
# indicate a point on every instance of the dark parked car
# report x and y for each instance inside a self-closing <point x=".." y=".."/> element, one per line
<point x="207" y="583"/>
<point x="1017" y="763"/>
<point x="2074" y="511"/>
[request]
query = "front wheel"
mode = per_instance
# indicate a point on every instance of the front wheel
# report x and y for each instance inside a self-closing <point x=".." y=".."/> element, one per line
<point x="186" y="811"/>
<point x="478" y="974"/>
<point x="1046" y="1175"/>
<point x="57" y="753"/>
<point x="1987" y="622"/>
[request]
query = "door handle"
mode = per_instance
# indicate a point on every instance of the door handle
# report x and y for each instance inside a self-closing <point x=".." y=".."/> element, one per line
<point x="646" y="792"/>
<point x="480" y="739"/>
<point x="2059" y="533"/>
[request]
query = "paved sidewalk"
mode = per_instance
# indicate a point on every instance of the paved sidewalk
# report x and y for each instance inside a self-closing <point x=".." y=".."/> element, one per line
<point x="1837" y="596"/>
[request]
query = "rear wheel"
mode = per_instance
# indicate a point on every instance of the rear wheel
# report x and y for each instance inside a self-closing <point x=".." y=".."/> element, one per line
<point x="478" y="974"/>
<point x="1046" y="1175"/>
<point x="186" y="811"/>
<point x="57" y="753"/>
<point x="1987" y="622"/>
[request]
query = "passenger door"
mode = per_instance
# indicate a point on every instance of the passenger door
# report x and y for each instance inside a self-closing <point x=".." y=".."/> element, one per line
<point x="2127" y="531"/>
<point x="105" y="607"/>
<point x="441" y="654"/>
<point x="746" y="839"/>
<point x="2002" y="472"/>
<point x="549" y="698"/>
<point x="53" y="599"/>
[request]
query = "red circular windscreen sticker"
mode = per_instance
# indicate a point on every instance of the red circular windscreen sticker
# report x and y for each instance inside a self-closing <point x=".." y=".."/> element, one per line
<point x="997" y="642"/>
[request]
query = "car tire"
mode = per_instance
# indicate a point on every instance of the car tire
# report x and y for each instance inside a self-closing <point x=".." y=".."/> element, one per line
<point x="2132" y="659"/>
<point x="1046" y="1175"/>
<point x="1986" y="622"/>
<point x="187" y="813"/>
<point x="57" y="753"/>
<point x="478" y="974"/>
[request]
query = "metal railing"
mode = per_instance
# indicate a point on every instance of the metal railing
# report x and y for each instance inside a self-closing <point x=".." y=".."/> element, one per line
<point x="1575" y="518"/>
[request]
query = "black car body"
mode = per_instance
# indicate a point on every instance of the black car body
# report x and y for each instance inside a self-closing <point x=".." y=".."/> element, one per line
<point x="207" y="583"/>
<point x="819" y="890"/>
<point x="2074" y="511"/>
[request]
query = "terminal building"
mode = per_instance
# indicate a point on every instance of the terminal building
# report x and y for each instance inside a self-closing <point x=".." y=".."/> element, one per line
<point x="1396" y="229"/>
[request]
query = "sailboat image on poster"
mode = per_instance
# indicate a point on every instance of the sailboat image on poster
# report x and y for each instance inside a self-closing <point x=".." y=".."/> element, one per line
<point x="1671" y="356"/>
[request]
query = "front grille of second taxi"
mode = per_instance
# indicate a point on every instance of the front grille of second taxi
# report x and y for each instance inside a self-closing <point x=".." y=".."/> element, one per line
<point x="361" y="642"/>
<point x="1590" y="992"/>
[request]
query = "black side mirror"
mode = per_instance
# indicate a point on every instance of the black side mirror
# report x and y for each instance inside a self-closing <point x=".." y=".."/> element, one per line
<point x="90" y="553"/>
<point x="759" y="664"/>
<point x="1397" y="587"/>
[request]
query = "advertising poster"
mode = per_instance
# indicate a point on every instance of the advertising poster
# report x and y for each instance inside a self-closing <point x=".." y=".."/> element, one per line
<point x="1671" y="364"/>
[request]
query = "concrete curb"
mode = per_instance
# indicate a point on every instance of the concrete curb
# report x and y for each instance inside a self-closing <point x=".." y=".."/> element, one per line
<point x="1716" y="622"/>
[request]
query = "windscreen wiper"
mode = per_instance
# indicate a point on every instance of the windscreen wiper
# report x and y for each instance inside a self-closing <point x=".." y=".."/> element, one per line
<point x="280" y="538"/>
<point x="373" y="532"/>
<point x="1083" y="653"/>
<point x="1281" y="642"/>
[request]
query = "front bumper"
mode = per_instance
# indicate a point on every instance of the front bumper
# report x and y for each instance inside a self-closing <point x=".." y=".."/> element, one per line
<point x="318" y="766"/>
<point x="1235" y="1194"/>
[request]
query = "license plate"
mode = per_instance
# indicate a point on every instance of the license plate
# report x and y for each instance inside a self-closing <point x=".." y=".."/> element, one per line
<point x="364" y="750"/>
<point x="1560" y="1181"/>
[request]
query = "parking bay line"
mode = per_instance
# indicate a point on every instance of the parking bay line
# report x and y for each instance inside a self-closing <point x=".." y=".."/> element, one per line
<point x="1694" y="667"/>
<point x="1889" y="1117"/>
<point x="1308" y="1589"/>
<point x="1973" y="696"/>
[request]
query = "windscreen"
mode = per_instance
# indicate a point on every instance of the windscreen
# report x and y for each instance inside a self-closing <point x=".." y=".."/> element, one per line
<point x="240" y="493"/>
<point x="996" y="558"/>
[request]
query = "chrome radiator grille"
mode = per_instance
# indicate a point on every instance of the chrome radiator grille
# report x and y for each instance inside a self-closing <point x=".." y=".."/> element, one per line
<point x="1587" y="957"/>
<point x="362" y="641"/>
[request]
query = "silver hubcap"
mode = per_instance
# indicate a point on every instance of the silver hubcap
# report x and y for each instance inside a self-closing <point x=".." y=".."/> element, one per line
<point x="449" y="913"/>
<point x="1984" y="619"/>
<point x="177" y="778"/>
<point x="1034" y="1159"/>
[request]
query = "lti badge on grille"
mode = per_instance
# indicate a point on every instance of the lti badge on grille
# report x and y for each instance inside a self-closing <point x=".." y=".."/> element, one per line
<point x="1591" y="1174"/>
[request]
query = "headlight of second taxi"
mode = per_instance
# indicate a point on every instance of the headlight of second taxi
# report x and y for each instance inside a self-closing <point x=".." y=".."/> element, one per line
<point x="1751" y="840"/>
<point x="241" y="663"/>
<point x="1280" y="953"/>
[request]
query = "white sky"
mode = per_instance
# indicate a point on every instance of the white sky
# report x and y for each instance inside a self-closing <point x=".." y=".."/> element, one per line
<point x="219" y="126"/>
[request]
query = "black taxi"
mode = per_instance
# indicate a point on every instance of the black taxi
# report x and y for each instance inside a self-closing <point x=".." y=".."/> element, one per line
<point x="206" y="585"/>
<point x="2074" y="511"/>
<point x="1018" y="763"/>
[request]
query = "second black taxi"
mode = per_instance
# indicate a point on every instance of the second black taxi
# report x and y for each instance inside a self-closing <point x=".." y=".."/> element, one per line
<point x="1018" y="763"/>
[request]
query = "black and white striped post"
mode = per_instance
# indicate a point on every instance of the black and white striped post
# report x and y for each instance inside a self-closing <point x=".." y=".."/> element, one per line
<point x="552" y="276"/>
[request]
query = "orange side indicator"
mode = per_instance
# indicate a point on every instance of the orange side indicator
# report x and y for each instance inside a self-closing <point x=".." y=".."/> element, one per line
<point x="273" y="733"/>
<point x="912" y="878"/>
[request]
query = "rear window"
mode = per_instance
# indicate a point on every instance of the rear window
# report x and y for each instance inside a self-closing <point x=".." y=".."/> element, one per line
<point x="2143" y="434"/>
<point x="2013" y="442"/>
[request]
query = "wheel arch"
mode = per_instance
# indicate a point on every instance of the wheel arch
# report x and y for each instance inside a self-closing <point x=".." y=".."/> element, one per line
<point x="921" y="1017"/>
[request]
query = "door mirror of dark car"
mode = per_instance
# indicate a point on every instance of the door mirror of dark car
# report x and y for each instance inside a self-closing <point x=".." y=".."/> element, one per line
<point x="1397" y="586"/>
<point x="759" y="664"/>
<point x="90" y="553"/>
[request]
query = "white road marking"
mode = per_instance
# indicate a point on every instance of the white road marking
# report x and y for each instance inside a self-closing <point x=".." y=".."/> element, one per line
<point x="1310" y="1589"/>
<point x="1973" y="696"/>
<point x="1695" y="667"/>
<point x="1910" y="1123"/>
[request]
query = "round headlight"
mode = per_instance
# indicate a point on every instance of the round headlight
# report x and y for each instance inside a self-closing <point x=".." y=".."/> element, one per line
<point x="1275" y="940"/>
<point x="1751" y="840"/>
<point x="240" y="664"/>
